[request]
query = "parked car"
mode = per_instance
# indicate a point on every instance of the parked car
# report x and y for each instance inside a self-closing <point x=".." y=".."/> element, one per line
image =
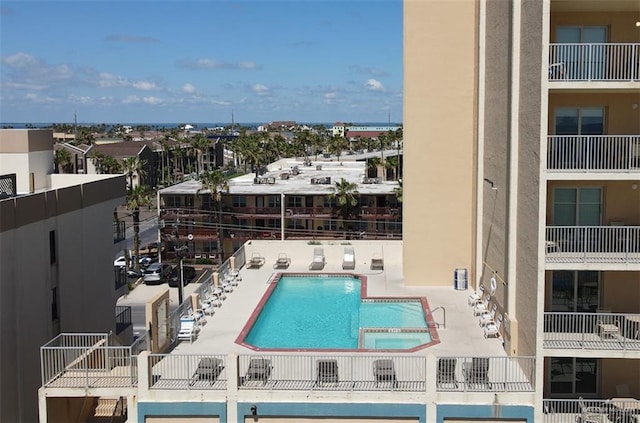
<point x="189" y="273"/>
<point x="144" y="261"/>
<point x="156" y="273"/>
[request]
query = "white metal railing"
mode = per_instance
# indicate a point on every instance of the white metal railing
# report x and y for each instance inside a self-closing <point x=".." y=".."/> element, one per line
<point x="595" y="331"/>
<point x="361" y="372"/>
<point x="187" y="372"/>
<point x="486" y="374"/>
<point x="592" y="244"/>
<point x="87" y="360"/>
<point x="594" y="62"/>
<point x="593" y="153"/>
<point x="591" y="410"/>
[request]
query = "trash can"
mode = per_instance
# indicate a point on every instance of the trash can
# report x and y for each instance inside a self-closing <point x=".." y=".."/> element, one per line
<point x="460" y="279"/>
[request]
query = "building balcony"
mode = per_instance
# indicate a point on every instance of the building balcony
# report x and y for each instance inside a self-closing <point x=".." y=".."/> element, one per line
<point x="604" y="247"/>
<point x="622" y="410"/>
<point x="119" y="231"/>
<point x="592" y="331"/>
<point x="590" y="156"/>
<point x="594" y="65"/>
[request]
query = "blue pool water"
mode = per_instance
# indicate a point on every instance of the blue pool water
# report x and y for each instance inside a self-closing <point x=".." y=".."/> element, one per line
<point x="327" y="313"/>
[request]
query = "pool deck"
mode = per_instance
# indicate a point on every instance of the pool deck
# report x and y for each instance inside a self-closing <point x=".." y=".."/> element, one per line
<point x="462" y="335"/>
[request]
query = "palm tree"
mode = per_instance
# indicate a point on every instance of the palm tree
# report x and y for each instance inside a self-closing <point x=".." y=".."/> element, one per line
<point x="137" y="197"/>
<point x="134" y="166"/>
<point x="373" y="164"/>
<point x="337" y="144"/>
<point x="346" y="195"/>
<point x="215" y="183"/>
<point x="392" y="164"/>
<point x="398" y="191"/>
<point x="199" y="145"/>
<point x="62" y="159"/>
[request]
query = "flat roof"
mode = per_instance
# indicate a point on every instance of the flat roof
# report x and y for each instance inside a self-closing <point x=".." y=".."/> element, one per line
<point x="351" y="171"/>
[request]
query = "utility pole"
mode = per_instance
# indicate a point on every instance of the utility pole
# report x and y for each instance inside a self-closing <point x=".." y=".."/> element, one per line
<point x="180" y="251"/>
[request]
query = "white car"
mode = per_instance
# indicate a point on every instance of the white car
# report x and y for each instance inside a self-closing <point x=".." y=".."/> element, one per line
<point x="121" y="262"/>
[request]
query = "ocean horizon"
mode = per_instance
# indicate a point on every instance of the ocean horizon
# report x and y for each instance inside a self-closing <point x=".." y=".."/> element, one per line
<point x="172" y="125"/>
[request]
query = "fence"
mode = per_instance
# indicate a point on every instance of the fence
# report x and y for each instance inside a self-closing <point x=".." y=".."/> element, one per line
<point x="591" y="410"/>
<point x="593" y="153"/>
<point x="593" y="244"/>
<point x="594" y="62"/>
<point x="596" y="331"/>
<point x="486" y="374"/>
<point x="187" y="371"/>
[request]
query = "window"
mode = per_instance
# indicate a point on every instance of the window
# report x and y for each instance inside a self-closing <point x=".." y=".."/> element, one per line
<point x="52" y="247"/>
<point x="330" y="225"/>
<point x="329" y="201"/>
<point x="172" y="201"/>
<point x="575" y="291"/>
<point x="585" y="56"/>
<point x="571" y="376"/>
<point x="54" y="304"/>
<point x="579" y="121"/>
<point x="207" y="202"/>
<point x="239" y="201"/>
<point x="577" y="206"/>
<point x="294" y="201"/>
<point x="273" y="201"/>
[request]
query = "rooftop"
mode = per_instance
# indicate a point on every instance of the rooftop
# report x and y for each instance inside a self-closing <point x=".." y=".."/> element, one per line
<point x="281" y="178"/>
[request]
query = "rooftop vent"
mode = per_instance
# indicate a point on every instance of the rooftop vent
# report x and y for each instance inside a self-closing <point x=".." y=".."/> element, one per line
<point x="325" y="180"/>
<point x="284" y="175"/>
<point x="318" y="167"/>
<point x="264" y="180"/>
<point x="371" y="180"/>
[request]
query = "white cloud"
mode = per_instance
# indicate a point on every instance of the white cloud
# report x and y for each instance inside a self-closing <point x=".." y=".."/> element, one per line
<point x="20" y="60"/>
<point x="260" y="89"/>
<point x="329" y="98"/>
<point x="144" y="85"/>
<point x="188" y="88"/>
<point x="131" y="99"/>
<point x="374" y="85"/>
<point x="152" y="100"/>
<point x="216" y="64"/>
<point x="109" y="80"/>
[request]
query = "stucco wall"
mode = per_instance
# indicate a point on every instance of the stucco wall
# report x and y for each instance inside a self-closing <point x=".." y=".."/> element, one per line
<point x="440" y="46"/>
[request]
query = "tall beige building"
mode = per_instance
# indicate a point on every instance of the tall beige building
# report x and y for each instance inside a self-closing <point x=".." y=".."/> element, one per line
<point x="522" y="164"/>
<point x="56" y="249"/>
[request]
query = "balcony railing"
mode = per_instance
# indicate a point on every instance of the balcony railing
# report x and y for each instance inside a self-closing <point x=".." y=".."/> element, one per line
<point x="486" y="374"/>
<point x="593" y="331"/>
<point x="592" y="244"/>
<point x="119" y="231"/>
<point x="123" y="318"/>
<point x="591" y="410"/>
<point x="593" y="153"/>
<point x="187" y="372"/>
<point x="594" y="62"/>
<point x="87" y="361"/>
<point x="338" y="372"/>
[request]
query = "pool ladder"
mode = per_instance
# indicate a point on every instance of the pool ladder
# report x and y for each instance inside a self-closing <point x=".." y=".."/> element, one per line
<point x="444" y="317"/>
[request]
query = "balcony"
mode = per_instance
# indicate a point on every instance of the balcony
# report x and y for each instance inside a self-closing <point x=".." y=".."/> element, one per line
<point x="593" y="154"/>
<point x="119" y="231"/>
<point x="608" y="63"/>
<point x="622" y="410"/>
<point x="611" y="247"/>
<point x="592" y="331"/>
<point x="73" y="360"/>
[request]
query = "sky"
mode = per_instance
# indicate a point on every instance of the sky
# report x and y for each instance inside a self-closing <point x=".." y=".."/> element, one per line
<point x="154" y="61"/>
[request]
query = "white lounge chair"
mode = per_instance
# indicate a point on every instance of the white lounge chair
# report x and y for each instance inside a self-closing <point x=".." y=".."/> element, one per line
<point x="486" y="318"/>
<point x="349" y="260"/>
<point x="256" y="261"/>
<point x="492" y="330"/>
<point x="318" y="259"/>
<point x="282" y="262"/>
<point x="377" y="263"/>
<point x="187" y="330"/>
<point x="482" y="307"/>
<point x="476" y="296"/>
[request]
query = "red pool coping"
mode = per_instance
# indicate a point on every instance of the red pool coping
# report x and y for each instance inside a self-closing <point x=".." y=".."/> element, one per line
<point x="273" y="282"/>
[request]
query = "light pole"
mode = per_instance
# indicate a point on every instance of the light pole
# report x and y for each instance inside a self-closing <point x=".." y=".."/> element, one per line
<point x="282" y="216"/>
<point x="180" y="251"/>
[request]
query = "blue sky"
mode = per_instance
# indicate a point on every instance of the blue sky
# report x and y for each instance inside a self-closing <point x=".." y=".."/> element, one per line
<point x="196" y="61"/>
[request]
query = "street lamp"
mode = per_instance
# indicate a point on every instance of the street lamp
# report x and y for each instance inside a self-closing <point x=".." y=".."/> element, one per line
<point x="180" y="253"/>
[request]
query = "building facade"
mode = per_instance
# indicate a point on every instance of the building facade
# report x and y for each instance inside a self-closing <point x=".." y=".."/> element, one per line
<point x="56" y="249"/>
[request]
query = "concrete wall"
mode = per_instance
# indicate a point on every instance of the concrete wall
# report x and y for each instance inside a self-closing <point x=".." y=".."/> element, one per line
<point x="620" y="292"/>
<point x="26" y="152"/>
<point x="440" y="45"/>
<point x="80" y="218"/>
<point x="619" y="371"/>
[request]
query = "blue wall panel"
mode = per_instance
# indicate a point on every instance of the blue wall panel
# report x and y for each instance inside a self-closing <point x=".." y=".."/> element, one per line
<point x="485" y="411"/>
<point x="186" y="409"/>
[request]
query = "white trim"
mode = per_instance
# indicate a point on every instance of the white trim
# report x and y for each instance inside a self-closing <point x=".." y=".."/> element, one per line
<point x="482" y="23"/>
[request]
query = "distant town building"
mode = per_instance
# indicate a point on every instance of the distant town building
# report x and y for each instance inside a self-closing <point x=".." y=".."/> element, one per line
<point x="351" y="132"/>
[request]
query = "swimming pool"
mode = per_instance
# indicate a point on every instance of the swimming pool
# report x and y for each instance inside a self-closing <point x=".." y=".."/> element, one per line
<point x="332" y="312"/>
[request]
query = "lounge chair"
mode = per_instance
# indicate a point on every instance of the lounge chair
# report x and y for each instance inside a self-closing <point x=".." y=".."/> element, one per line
<point x="447" y="372"/>
<point x="256" y="261"/>
<point x="349" y="260"/>
<point x="385" y="372"/>
<point x="326" y="371"/>
<point x="188" y="330"/>
<point x="487" y="318"/>
<point x="318" y="259"/>
<point x="376" y="262"/>
<point x="492" y="330"/>
<point x="259" y="369"/>
<point x="590" y="413"/>
<point x="482" y="307"/>
<point x="477" y="372"/>
<point x="282" y="262"/>
<point x="476" y="296"/>
<point x="209" y="368"/>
